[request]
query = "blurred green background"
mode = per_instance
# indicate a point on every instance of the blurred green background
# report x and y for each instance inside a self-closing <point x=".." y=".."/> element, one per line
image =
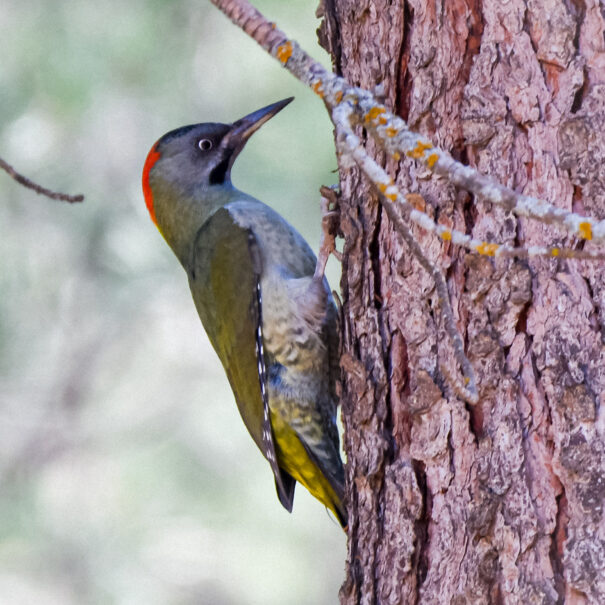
<point x="126" y="474"/>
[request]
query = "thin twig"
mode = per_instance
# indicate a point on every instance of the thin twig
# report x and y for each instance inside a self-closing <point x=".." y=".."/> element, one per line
<point x="349" y="143"/>
<point x="351" y="107"/>
<point x="392" y="132"/>
<point x="23" y="180"/>
<point x="341" y="116"/>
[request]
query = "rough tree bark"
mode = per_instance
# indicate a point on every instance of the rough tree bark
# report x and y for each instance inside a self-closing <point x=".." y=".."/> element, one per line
<point x="501" y="502"/>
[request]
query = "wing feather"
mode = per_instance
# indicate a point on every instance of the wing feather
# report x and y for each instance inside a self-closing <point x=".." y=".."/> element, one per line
<point x="225" y="283"/>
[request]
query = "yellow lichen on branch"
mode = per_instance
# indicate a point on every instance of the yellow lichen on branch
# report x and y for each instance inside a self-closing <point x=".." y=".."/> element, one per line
<point x="284" y="51"/>
<point x="432" y="160"/>
<point x="317" y="89"/>
<point x="585" y="230"/>
<point x="374" y="113"/>
<point x="418" y="151"/>
<point x="487" y="249"/>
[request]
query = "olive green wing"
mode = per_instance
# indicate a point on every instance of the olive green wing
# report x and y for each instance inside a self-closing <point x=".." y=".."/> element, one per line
<point x="224" y="277"/>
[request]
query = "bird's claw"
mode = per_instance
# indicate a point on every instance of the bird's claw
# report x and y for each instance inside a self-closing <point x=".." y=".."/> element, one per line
<point x="329" y="228"/>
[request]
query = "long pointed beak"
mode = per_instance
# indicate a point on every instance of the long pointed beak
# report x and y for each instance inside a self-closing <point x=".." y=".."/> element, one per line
<point x="245" y="127"/>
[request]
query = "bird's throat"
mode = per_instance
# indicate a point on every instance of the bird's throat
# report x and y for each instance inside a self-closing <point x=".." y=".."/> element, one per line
<point x="180" y="214"/>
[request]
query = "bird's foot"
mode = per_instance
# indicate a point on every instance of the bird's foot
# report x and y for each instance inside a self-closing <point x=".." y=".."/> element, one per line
<point x="329" y="228"/>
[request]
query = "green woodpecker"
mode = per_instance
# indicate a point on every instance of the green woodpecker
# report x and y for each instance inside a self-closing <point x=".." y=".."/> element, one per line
<point x="269" y="315"/>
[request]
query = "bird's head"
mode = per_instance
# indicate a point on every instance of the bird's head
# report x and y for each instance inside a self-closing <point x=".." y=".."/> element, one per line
<point x="198" y="157"/>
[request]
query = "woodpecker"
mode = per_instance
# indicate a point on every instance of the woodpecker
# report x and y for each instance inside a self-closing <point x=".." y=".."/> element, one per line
<point x="268" y="312"/>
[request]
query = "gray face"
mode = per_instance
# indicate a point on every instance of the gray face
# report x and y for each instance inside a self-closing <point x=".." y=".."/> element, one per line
<point x="194" y="156"/>
<point x="199" y="156"/>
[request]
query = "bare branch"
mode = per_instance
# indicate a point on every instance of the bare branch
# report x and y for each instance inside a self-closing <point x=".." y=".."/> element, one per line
<point x="23" y="180"/>
<point x="341" y="116"/>
<point x="348" y="143"/>
<point x="351" y="107"/>
<point x="392" y="132"/>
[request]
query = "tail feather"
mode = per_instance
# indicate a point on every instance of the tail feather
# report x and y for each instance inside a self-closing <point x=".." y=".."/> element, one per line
<point x="285" y="491"/>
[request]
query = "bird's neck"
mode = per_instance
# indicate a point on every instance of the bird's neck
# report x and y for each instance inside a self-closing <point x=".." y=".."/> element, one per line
<point x="180" y="214"/>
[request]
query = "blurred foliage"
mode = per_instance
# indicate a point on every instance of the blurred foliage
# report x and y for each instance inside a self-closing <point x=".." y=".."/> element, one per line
<point x="126" y="473"/>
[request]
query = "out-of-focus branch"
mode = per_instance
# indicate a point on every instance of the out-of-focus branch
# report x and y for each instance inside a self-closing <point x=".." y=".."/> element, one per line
<point x="23" y="180"/>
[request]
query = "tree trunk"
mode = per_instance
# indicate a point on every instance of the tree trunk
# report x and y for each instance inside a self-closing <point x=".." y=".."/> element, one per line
<point x="503" y="501"/>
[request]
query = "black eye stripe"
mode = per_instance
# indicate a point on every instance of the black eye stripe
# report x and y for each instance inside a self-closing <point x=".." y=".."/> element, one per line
<point x="219" y="174"/>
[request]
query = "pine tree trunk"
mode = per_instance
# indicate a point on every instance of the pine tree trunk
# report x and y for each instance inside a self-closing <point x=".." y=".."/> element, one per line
<point x="501" y="502"/>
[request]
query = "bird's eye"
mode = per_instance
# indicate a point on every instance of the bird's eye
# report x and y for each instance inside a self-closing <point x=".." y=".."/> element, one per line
<point x="205" y="144"/>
